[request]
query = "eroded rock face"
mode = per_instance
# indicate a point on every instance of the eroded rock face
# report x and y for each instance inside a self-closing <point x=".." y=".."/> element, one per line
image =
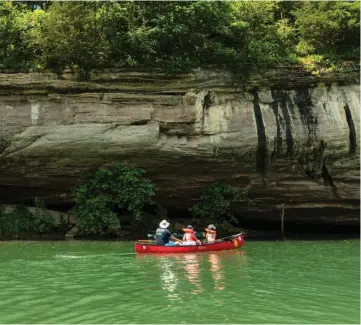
<point x="289" y="137"/>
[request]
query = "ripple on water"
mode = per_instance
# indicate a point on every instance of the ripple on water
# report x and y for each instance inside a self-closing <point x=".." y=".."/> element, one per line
<point x="85" y="282"/>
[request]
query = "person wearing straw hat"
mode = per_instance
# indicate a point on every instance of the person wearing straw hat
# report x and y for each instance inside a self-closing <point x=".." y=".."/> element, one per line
<point x="163" y="235"/>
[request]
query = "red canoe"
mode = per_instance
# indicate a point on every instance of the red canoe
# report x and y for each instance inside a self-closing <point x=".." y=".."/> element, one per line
<point x="233" y="242"/>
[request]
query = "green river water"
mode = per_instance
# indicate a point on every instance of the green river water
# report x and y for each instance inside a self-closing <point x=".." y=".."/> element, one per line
<point x="76" y="282"/>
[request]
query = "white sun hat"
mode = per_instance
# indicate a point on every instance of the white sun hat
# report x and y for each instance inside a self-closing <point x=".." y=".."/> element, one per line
<point x="164" y="224"/>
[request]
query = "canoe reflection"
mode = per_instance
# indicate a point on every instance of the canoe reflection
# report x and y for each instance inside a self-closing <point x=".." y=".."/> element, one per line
<point x="170" y="280"/>
<point x="217" y="274"/>
<point x="194" y="266"/>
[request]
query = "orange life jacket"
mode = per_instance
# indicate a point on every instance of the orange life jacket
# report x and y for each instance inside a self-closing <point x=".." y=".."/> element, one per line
<point x="210" y="235"/>
<point x="189" y="235"/>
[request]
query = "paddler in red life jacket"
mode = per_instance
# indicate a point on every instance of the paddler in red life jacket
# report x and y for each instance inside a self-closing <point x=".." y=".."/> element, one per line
<point x="211" y="233"/>
<point x="189" y="237"/>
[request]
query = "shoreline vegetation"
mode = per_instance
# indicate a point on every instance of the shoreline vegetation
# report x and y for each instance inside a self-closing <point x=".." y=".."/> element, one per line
<point x="111" y="203"/>
<point x="116" y="204"/>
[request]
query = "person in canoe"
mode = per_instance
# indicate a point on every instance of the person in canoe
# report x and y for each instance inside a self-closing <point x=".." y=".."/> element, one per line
<point x="211" y="233"/>
<point x="189" y="237"/>
<point x="163" y="235"/>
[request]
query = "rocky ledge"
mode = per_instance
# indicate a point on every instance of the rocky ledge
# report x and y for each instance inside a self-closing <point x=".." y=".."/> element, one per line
<point x="288" y="136"/>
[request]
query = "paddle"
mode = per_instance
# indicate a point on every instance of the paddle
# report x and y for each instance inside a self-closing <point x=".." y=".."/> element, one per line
<point x="199" y="235"/>
<point x="232" y="236"/>
<point x="176" y="239"/>
<point x="152" y="240"/>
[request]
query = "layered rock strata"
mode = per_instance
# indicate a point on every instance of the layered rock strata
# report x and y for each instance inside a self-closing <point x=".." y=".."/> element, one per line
<point x="288" y="136"/>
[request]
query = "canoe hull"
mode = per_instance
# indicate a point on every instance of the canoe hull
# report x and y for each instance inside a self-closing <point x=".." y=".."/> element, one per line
<point x="235" y="242"/>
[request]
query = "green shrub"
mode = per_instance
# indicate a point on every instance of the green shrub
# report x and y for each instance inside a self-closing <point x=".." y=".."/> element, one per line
<point x="21" y="221"/>
<point x="108" y="194"/>
<point x="43" y="222"/>
<point x="215" y="205"/>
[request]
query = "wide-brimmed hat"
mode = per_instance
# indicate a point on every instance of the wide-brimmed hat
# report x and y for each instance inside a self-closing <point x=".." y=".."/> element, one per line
<point x="164" y="224"/>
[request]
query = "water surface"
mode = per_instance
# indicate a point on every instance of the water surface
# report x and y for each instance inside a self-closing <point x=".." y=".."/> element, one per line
<point x="105" y="282"/>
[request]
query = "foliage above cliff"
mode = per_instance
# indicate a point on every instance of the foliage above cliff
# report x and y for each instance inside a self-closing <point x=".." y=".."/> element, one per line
<point x="107" y="194"/>
<point x="177" y="36"/>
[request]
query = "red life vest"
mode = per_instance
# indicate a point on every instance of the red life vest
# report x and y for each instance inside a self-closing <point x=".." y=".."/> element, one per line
<point x="189" y="235"/>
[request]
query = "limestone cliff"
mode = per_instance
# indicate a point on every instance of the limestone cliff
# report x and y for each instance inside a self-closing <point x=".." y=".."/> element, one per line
<point x="290" y="137"/>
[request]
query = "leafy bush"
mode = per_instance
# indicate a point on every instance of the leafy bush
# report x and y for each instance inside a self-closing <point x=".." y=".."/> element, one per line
<point x="21" y="221"/>
<point x="328" y="27"/>
<point x="70" y="37"/>
<point x="43" y="222"/>
<point x="107" y="194"/>
<point x="215" y="205"/>
<point x="10" y="224"/>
